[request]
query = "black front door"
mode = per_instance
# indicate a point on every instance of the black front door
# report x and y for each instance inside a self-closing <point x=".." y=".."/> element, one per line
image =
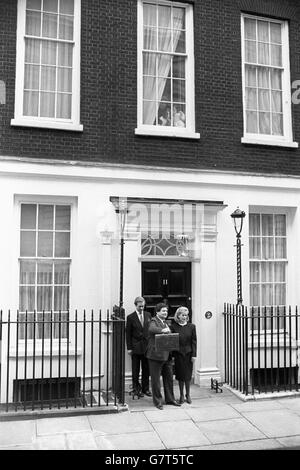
<point x="166" y="282"/>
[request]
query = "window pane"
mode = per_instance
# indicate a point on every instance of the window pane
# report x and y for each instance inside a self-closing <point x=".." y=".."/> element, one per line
<point x="149" y="112"/>
<point x="33" y="4"/>
<point x="178" y="18"/>
<point x="149" y="88"/>
<point x="48" y="78"/>
<point x="251" y="76"/>
<point x="27" y="272"/>
<point x="62" y="218"/>
<point x="164" y="89"/>
<point x="179" y="91"/>
<point x="250" y="52"/>
<point x="179" y="116"/>
<point x="255" y="248"/>
<point x="267" y="272"/>
<point x="265" y="123"/>
<point x="179" y="41"/>
<point x="149" y="64"/>
<point x="62" y="245"/>
<point x="27" y="298"/>
<point x="275" y="33"/>
<point x="47" y="104"/>
<point x="44" y="298"/>
<point x="264" y="100"/>
<point x="67" y="7"/>
<point x="31" y="77"/>
<point x="164" y="114"/>
<point x="280" y="224"/>
<point x="51" y="5"/>
<point x="254" y="295"/>
<point x="64" y="106"/>
<point x="263" y="31"/>
<point x="44" y="272"/>
<point x="61" y="273"/>
<point x="276" y="79"/>
<point x="250" y="28"/>
<point x="263" y="53"/>
<point x="27" y="243"/>
<point x="66" y="27"/>
<point x="32" y="51"/>
<point x="267" y="248"/>
<point x="252" y="122"/>
<point x="164" y="63"/>
<point x="276" y="101"/>
<point x="280" y="297"/>
<point x="28" y="216"/>
<point x="251" y="98"/>
<point x="45" y="217"/>
<point x="178" y="67"/>
<point x="267" y="224"/>
<point x="49" y="52"/>
<point x="31" y="103"/>
<point x="165" y="40"/>
<point x="266" y="295"/>
<point x="276" y="55"/>
<point x="254" y="224"/>
<point x="65" y="55"/>
<point x="64" y="79"/>
<point x="49" y="25"/>
<point x="254" y="272"/>
<point x="150" y="39"/>
<point x="277" y="124"/>
<point x="61" y="298"/>
<point x="33" y="23"/>
<point x="45" y="244"/>
<point x="263" y="77"/>
<point x="279" y="272"/>
<point x="280" y="248"/>
<point x="164" y="16"/>
<point x="150" y="14"/>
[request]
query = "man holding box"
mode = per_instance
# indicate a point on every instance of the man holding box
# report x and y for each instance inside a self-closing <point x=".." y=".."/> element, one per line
<point x="160" y="362"/>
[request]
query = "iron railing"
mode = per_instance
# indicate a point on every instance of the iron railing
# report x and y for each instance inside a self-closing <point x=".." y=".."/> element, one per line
<point x="59" y="360"/>
<point x="261" y="348"/>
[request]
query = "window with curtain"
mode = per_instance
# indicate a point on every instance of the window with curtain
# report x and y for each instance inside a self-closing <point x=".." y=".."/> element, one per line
<point x="266" y="78"/>
<point x="47" y="62"/>
<point x="44" y="282"/>
<point x="166" y="36"/>
<point x="268" y="261"/>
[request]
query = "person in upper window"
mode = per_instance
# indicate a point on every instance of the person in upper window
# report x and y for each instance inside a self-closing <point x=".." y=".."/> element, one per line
<point x="185" y="357"/>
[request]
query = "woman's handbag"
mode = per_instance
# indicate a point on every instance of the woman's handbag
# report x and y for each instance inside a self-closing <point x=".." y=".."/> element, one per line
<point x="167" y="342"/>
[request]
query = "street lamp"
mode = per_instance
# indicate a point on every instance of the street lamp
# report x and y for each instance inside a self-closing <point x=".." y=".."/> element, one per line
<point x="122" y="210"/>
<point x="238" y="218"/>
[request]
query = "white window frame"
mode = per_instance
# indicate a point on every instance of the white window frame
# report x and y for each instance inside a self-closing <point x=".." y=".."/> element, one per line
<point x="189" y="130"/>
<point x="72" y="124"/>
<point x="287" y="139"/>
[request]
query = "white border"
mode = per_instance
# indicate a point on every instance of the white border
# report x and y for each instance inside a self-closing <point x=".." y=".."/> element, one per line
<point x="29" y="121"/>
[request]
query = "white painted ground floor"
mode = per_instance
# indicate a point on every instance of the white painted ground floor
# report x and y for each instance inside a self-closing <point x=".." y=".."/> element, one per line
<point x="60" y="242"/>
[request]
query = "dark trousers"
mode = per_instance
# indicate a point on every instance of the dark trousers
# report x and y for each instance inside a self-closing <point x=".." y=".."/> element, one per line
<point x="164" y="368"/>
<point x="138" y="361"/>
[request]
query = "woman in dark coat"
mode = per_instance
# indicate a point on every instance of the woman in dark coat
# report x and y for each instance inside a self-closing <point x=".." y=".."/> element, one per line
<point x="185" y="357"/>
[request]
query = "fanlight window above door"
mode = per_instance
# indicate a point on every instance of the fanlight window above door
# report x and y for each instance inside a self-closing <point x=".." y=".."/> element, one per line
<point x="165" y="245"/>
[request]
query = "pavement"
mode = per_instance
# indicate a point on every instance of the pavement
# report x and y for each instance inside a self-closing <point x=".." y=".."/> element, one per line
<point x="214" y="421"/>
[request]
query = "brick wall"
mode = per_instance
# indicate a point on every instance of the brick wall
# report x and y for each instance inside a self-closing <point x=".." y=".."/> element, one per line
<point x="108" y="92"/>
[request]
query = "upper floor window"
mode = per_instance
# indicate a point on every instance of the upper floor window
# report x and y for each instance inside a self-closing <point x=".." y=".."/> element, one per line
<point x="266" y="81"/>
<point x="165" y="69"/>
<point x="48" y="64"/>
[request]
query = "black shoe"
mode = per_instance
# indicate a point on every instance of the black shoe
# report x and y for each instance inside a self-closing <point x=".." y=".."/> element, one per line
<point x="181" y="399"/>
<point x="174" y="403"/>
<point x="140" y="394"/>
<point x="188" y="399"/>
<point x="148" y="393"/>
<point x="160" y="407"/>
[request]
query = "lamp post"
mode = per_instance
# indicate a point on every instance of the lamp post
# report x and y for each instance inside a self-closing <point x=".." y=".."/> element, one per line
<point x="122" y="211"/>
<point x="238" y="218"/>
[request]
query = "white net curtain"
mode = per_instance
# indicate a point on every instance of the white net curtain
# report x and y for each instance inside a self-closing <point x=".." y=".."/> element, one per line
<point x="49" y="58"/>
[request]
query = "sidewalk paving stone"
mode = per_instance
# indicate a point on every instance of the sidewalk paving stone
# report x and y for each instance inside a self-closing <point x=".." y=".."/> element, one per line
<point x="290" y="441"/>
<point x="180" y="434"/>
<point x="257" y="406"/>
<point x="261" y="444"/>
<point x="275" y="423"/>
<point x="213" y="413"/>
<point x="290" y="403"/>
<point x="157" y="416"/>
<point x="55" y="442"/>
<point x="81" y="441"/>
<point x="27" y="447"/>
<point x="122" y="423"/>
<point x="62" y="425"/>
<point x="229" y="430"/>
<point x="21" y="432"/>
<point x="133" y="441"/>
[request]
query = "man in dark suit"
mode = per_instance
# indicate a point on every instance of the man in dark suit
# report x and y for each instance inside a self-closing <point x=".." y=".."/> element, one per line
<point x="137" y="339"/>
<point x="160" y="362"/>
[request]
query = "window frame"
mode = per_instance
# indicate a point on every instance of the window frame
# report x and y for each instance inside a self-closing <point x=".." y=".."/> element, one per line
<point x="19" y="119"/>
<point x="145" y="129"/>
<point x="286" y="140"/>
